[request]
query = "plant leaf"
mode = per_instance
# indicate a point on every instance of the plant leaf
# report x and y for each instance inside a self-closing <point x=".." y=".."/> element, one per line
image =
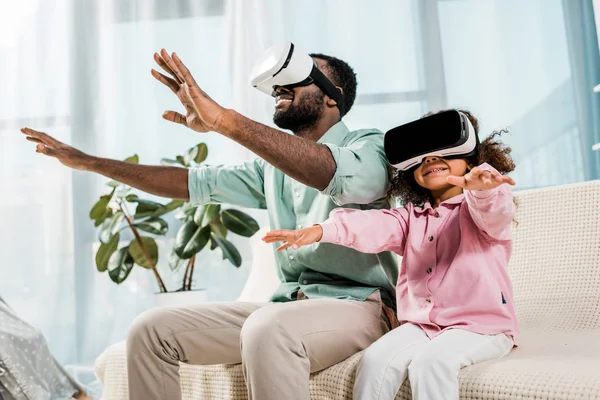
<point x="109" y="227"/>
<point x="211" y="211"/>
<point x="121" y="192"/>
<point x="217" y="227"/>
<point x="181" y="161"/>
<point x="155" y="225"/>
<point x="99" y="207"/>
<point x="239" y="222"/>
<point x="229" y="250"/>
<point x="135" y="159"/>
<point x="120" y="264"/>
<point x="191" y="239"/>
<point x="170" y="162"/>
<point x="172" y="205"/>
<point x="186" y="211"/>
<point x="213" y="244"/>
<point x="100" y="210"/>
<point x="135" y="250"/>
<point x="105" y="251"/>
<point x="190" y="155"/>
<point x="113" y="184"/>
<point x="145" y="208"/>
<point x="199" y="215"/>
<point x="175" y="262"/>
<point x="202" y="153"/>
<point x="100" y="220"/>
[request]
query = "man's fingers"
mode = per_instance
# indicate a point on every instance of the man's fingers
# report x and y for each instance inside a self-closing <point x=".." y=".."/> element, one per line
<point x="41" y="148"/>
<point x="165" y="80"/>
<point x="34" y="133"/>
<point x="161" y="63"/>
<point x="32" y="139"/>
<point x="172" y="65"/>
<point x="174" y="116"/>
<point x="187" y="76"/>
<point x="42" y="137"/>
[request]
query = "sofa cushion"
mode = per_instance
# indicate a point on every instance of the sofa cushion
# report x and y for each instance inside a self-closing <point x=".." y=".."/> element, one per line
<point x="547" y="365"/>
<point x="555" y="263"/>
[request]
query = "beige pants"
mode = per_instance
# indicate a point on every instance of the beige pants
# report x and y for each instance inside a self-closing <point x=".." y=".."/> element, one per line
<point x="279" y="344"/>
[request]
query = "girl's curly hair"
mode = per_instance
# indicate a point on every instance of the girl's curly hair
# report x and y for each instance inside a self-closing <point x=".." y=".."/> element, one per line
<point x="491" y="150"/>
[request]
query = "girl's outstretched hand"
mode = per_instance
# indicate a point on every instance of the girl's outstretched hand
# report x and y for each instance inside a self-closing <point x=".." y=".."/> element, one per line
<point x="295" y="239"/>
<point x="480" y="179"/>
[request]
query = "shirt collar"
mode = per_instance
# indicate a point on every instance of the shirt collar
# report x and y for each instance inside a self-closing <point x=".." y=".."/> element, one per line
<point x="335" y="135"/>
<point x="450" y="203"/>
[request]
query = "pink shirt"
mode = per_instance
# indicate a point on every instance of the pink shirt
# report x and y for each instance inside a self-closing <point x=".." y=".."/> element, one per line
<point x="455" y="257"/>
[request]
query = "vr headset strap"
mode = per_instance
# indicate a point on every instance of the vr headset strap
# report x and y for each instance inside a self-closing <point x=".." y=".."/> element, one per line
<point x="328" y="88"/>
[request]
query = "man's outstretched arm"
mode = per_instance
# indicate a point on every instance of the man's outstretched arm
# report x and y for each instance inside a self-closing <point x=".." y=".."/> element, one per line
<point x="169" y="182"/>
<point x="304" y="160"/>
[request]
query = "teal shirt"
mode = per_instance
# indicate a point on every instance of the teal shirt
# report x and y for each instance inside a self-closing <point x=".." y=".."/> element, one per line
<point x="320" y="269"/>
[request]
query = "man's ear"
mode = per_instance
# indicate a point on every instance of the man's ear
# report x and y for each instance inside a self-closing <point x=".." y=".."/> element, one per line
<point x="330" y="101"/>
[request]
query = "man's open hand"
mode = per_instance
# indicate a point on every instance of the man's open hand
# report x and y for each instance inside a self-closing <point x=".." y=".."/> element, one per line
<point x="203" y="114"/>
<point x="46" y="144"/>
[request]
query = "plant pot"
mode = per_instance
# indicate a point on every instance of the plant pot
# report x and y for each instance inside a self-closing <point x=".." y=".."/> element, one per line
<point x="182" y="298"/>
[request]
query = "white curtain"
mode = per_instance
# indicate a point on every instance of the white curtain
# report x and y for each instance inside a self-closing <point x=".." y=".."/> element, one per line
<point x="81" y="71"/>
<point x="36" y="236"/>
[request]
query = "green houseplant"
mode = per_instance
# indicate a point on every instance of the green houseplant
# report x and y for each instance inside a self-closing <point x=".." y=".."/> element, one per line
<point x="209" y="224"/>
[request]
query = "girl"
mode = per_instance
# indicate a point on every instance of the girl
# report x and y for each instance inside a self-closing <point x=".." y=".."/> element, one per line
<point x="454" y="296"/>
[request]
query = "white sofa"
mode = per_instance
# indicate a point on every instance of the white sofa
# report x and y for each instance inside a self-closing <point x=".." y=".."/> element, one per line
<point x="555" y="269"/>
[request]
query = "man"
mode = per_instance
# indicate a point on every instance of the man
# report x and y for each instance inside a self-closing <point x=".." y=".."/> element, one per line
<point x="332" y="302"/>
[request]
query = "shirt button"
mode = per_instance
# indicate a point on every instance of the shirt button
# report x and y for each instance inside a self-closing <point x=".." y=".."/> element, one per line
<point x="430" y="238"/>
<point x="297" y="193"/>
<point x="299" y="226"/>
<point x="304" y="282"/>
<point x="428" y="299"/>
<point x="429" y="270"/>
<point x="291" y="257"/>
<point x="436" y="214"/>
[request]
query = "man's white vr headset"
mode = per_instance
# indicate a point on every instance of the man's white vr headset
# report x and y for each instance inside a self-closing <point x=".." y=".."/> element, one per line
<point x="448" y="134"/>
<point x="284" y="65"/>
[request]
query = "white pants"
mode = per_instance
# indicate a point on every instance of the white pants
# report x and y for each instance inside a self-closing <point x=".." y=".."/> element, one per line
<point x="432" y="365"/>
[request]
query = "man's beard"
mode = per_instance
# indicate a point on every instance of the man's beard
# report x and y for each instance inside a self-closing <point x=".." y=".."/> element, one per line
<point x="303" y="115"/>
